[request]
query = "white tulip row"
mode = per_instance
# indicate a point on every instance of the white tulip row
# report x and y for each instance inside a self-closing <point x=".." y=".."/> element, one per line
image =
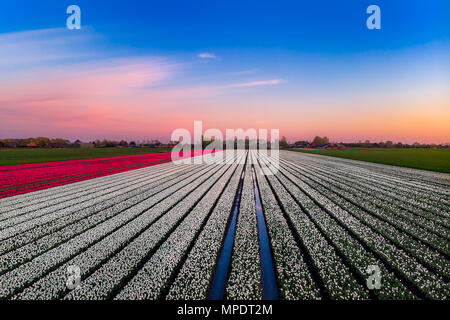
<point x="41" y="197"/>
<point x="196" y="274"/>
<point x="49" y="235"/>
<point x="56" y="217"/>
<point x="382" y="222"/>
<point x="412" y="202"/>
<point x="417" y="179"/>
<point x="406" y="184"/>
<point x="294" y="279"/>
<point x="338" y="282"/>
<point x="100" y="252"/>
<point x="116" y="203"/>
<point x="244" y="281"/>
<point x="382" y="184"/>
<point x="32" y="201"/>
<point x="41" y="265"/>
<point x="428" y="283"/>
<point x="118" y="269"/>
<point x="153" y="278"/>
<point x="102" y="193"/>
<point x="409" y="211"/>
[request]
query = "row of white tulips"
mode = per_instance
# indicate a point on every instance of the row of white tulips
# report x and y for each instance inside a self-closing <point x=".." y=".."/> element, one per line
<point x="153" y="278"/>
<point x="430" y="284"/>
<point x="418" y="179"/>
<point x="244" y="281"/>
<point x="336" y="277"/>
<point x="196" y="274"/>
<point x="42" y="238"/>
<point x="147" y="236"/>
<point x="53" y="194"/>
<point x="382" y="222"/>
<point x="41" y="265"/>
<point x="411" y="202"/>
<point x="294" y="279"/>
<point x="80" y="200"/>
<point x="406" y="190"/>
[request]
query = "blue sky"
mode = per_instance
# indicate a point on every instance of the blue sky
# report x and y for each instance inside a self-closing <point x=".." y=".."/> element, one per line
<point x="296" y="57"/>
<point x="300" y="26"/>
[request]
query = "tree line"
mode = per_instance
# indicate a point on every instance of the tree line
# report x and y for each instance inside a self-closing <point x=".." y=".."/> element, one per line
<point x="44" y="142"/>
<point x="324" y="141"/>
<point x="39" y="142"/>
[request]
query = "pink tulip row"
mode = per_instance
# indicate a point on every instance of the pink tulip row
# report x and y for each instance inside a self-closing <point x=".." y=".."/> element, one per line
<point x="24" y="178"/>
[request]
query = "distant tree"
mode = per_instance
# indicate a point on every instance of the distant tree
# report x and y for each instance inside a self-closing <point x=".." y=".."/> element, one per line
<point x="42" y="142"/>
<point x="301" y="143"/>
<point x="366" y="144"/>
<point x="283" y="143"/>
<point x="389" y="144"/>
<point x="318" y="141"/>
<point x="59" y="143"/>
<point x="123" y="143"/>
<point x="156" y="142"/>
<point x="132" y="144"/>
<point x="106" y="143"/>
<point x="6" y="143"/>
<point x="111" y="143"/>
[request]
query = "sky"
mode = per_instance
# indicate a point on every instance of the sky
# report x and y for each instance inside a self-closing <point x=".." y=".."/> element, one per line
<point x="139" y="70"/>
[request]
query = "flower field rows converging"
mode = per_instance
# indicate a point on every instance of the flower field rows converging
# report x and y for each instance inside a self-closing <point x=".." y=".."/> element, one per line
<point x="24" y="178"/>
<point x="336" y="229"/>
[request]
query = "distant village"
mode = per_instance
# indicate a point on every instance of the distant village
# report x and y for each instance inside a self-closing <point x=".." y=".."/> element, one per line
<point x="316" y="143"/>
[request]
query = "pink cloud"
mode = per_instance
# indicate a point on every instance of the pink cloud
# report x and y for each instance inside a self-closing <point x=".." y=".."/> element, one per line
<point x="112" y="98"/>
<point x="114" y="77"/>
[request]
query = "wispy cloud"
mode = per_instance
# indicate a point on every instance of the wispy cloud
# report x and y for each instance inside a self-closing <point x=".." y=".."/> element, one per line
<point x="258" y="83"/>
<point x="207" y="55"/>
<point x="35" y="48"/>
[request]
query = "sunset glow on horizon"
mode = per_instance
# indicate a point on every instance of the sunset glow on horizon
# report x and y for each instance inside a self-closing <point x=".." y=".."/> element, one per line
<point x="120" y="79"/>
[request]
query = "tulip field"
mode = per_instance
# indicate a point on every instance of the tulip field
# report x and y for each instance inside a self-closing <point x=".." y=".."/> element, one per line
<point x="24" y="178"/>
<point x="18" y="179"/>
<point x="142" y="227"/>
